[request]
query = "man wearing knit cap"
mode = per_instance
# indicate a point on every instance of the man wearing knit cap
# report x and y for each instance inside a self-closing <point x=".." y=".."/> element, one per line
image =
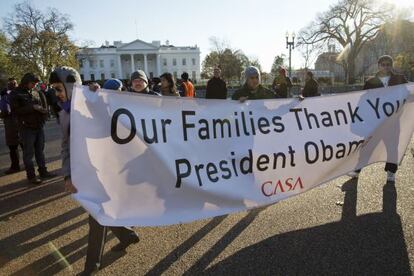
<point x="252" y="89"/>
<point x="139" y="83"/>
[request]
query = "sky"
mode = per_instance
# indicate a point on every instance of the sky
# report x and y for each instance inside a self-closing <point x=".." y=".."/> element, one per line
<point x="257" y="27"/>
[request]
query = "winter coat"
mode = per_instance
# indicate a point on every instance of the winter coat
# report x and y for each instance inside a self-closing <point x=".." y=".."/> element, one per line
<point x="22" y="101"/>
<point x="259" y="93"/>
<point x="64" y="122"/>
<point x="375" y="82"/>
<point x="216" y="89"/>
<point x="10" y="120"/>
<point x="311" y="88"/>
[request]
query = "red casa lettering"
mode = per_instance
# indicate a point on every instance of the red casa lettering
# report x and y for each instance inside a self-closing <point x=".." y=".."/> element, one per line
<point x="270" y="188"/>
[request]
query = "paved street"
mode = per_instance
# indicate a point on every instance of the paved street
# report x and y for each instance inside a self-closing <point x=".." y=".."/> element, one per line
<point x="345" y="227"/>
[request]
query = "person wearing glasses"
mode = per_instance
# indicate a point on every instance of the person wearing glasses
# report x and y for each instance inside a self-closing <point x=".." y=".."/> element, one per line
<point x="383" y="78"/>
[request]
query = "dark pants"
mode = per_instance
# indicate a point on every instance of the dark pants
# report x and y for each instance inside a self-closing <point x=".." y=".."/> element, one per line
<point x="389" y="167"/>
<point x="33" y="141"/>
<point x="96" y="242"/>
<point x="14" y="157"/>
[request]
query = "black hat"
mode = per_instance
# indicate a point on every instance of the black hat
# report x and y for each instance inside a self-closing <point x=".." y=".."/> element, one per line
<point x="29" y="77"/>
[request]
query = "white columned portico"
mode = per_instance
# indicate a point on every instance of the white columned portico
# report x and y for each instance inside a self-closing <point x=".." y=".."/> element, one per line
<point x="120" y="76"/>
<point x="158" y="58"/>
<point x="132" y="63"/>
<point x="145" y="64"/>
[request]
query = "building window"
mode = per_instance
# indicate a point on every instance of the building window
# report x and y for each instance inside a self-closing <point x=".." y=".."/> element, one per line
<point x="164" y="61"/>
<point x="151" y="75"/>
<point x="101" y="63"/>
<point x="92" y="63"/>
<point x="113" y="75"/>
<point x="174" y="62"/>
<point x="193" y="76"/>
<point x="92" y="77"/>
<point x="81" y="63"/>
<point x="184" y="61"/>
<point x="102" y="76"/>
<point x="82" y="77"/>
<point x="112" y="63"/>
<point x="194" y="61"/>
<point x="175" y="75"/>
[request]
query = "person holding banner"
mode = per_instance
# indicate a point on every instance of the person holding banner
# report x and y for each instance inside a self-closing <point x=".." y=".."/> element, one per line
<point x="63" y="79"/>
<point x="139" y="83"/>
<point x="252" y="88"/>
<point x="383" y="78"/>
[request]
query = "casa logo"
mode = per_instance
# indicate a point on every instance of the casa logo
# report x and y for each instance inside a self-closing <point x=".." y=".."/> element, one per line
<point x="271" y="188"/>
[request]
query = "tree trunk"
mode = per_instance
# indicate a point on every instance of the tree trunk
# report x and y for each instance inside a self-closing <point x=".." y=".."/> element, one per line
<point x="350" y="74"/>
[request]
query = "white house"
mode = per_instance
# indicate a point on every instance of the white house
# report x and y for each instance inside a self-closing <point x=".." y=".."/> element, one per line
<point x="121" y="59"/>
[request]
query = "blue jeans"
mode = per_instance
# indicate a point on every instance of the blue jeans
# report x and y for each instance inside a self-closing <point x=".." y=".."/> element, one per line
<point x="33" y="141"/>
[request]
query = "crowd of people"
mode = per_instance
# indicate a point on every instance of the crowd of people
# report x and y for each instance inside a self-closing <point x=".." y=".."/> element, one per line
<point x="25" y="107"/>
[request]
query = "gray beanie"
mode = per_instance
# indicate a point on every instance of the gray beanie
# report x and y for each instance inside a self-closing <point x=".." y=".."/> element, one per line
<point x="67" y="76"/>
<point x="252" y="71"/>
<point x="139" y="74"/>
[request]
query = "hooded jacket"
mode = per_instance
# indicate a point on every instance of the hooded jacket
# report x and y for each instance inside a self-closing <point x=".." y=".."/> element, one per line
<point x="68" y="77"/>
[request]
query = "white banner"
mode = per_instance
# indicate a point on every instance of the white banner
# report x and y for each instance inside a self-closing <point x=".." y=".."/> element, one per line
<point x="149" y="160"/>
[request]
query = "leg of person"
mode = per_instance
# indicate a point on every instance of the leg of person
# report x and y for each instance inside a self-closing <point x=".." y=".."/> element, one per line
<point x="28" y="140"/>
<point x="125" y="236"/>
<point x="391" y="169"/>
<point x="14" y="158"/>
<point x="40" y="156"/>
<point x="96" y="245"/>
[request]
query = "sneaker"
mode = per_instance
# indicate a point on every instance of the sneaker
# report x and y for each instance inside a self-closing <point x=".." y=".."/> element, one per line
<point x="353" y="174"/>
<point x="122" y="246"/>
<point x="390" y="177"/>
<point x="35" y="181"/>
<point x="12" y="170"/>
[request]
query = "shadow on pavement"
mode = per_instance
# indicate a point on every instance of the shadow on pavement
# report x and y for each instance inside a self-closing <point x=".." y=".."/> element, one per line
<point x="19" y="197"/>
<point x="371" y="244"/>
<point x="165" y="263"/>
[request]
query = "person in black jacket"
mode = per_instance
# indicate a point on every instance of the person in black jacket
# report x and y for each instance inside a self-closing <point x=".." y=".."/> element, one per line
<point x="216" y="86"/>
<point x="31" y="110"/>
<point x="10" y="126"/>
<point x="383" y="78"/>
<point x="311" y="86"/>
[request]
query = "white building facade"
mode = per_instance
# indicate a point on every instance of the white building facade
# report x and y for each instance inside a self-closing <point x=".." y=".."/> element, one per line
<point x="121" y="59"/>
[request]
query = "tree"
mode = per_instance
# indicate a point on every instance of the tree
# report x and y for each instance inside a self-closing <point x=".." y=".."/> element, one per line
<point x="405" y="62"/>
<point x="39" y="41"/>
<point x="4" y="60"/>
<point x="253" y="61"/>
<point x="231" y="61"/>
<point x="309" y="53"/>
<point x="349" y="23"/>
<point x="278" y="62"/>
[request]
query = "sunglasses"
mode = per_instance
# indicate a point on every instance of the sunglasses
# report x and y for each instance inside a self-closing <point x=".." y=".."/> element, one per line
<point x="386" y="64"/>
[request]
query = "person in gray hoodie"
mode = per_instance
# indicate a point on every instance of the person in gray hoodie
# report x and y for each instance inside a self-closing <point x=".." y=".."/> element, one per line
<point x="63" y="80"/>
